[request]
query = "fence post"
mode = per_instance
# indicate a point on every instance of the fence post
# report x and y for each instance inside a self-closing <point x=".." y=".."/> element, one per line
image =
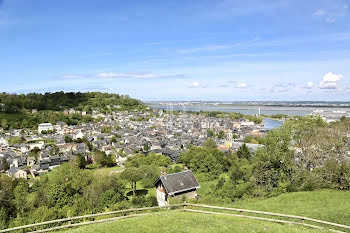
<point x="302" y="220"/>
<point x="185" y="205"/>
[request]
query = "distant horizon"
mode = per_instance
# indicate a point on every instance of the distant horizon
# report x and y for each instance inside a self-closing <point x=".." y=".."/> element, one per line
<point x="184" y="100"/>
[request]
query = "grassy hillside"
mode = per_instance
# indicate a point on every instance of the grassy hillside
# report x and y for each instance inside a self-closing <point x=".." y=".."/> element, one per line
<point x="329" y="205"/>
<point x="176" y="222"/>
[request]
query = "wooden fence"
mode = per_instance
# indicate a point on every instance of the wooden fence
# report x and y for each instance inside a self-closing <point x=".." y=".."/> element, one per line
<point x="186" y="207"/>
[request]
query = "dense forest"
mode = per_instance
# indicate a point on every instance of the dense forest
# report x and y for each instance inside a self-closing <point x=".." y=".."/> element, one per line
<point x="16" y="110"/>
<point x="13" y="103"/>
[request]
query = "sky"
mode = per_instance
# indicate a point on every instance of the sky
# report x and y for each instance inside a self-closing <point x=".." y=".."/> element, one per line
<point x="223" y="50"/>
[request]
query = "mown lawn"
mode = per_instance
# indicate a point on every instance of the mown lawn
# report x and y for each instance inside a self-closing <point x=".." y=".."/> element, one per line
<point x="140" y="190"/>
<point x="102" y="171"/>
<point x="329" y="205"/>
<point x="177" y="222"/>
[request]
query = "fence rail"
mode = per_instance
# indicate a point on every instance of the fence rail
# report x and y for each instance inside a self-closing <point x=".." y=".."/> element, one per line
<point x="89" y="216"/>
<point x="302" y="218"/>
<point x="134" y="212"/>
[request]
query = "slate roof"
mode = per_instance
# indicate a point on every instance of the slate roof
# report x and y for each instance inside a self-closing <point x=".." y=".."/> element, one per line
<point x="12" y="170"/>
<point x="178" y="182"/>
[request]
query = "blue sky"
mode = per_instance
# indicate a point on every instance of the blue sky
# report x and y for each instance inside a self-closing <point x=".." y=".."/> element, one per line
<point x="178" y="50"/>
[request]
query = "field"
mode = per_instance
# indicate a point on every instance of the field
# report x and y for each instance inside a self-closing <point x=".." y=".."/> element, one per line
<point x="10" y="117"/>
<point x="177" y="222"/>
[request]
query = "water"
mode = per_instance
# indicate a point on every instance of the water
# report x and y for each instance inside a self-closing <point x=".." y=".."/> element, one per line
<point x="246" y="110"/>
<point x="271" y="124"/>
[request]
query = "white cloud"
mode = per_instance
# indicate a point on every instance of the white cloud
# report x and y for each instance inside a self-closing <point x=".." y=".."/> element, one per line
<point x="280" y="87"/>
<point x="242" y="85"/>
<point x="328" y="85"/>
<point x="331" y="77"/>
<point x="330" y="81"/>
<point x="330" y="19"/>
<point x="331" y="14"/>
<point x="127" y="75"/>
<point x="111" y="75"/>
<point x="319" y="13"/>
<point x="70" y="76"/>
<point x="205" y="49"/>
<point x="310" y="84"/>
<point x="195" y="85"/>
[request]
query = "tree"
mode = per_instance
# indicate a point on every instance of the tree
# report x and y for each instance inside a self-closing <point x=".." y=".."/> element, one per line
<point x="68" y="139"/>
<point x="244" y="152"/>
<point x="210" y="133"/>
<point x="106" y="129"/>
<point x="21" y="191"/>
<point x="221" y="134"/>
<point x="4" y="164"/>
<point x="54" y="150"/>
<point x="15" y="140"/>
<point x="210" y="143"/>
<point x="149" y="175"/>
<point x="66" y="184"/>
<point x="80" y="161"/>
<point x="133" y="175"/>
<point x="207" y="159"/>
<point x="103" y="159"/>
<point x="146" y="147"/>
<point x="4" y="124"/>
<point x="109" y="197"/>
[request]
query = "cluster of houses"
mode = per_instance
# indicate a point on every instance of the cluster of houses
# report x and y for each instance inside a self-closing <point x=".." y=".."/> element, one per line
<point x="331" y="115"/>
<point x="120" y="134"/>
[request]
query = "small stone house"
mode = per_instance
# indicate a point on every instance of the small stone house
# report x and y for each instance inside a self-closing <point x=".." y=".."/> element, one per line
<point x="176" y="185"/>
<point x="17" y="173"/>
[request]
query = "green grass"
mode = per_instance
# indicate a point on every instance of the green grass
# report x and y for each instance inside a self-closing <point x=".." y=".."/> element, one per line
<point x="177" y="222"/>
<point x="140" y="189"/>
<point x="47" y="141"/>
<point x="329" y="205"/>
<point x="102" y="171"/>
<point x="11" y="117"/>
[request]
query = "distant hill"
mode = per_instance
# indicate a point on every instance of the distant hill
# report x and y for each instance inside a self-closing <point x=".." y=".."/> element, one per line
<point x="14" y="103"/>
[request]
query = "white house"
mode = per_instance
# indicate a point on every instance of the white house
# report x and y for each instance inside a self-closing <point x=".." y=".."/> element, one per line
<point x="39" y="144"/>
<point x="247" y="123"/>
<point x="45" y="127"/>
<point x="3" y="142"/>
<point x="79" y="135"/>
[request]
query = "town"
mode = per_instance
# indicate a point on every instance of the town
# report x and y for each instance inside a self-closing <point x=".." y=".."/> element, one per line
<point x="25" y="153"/>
